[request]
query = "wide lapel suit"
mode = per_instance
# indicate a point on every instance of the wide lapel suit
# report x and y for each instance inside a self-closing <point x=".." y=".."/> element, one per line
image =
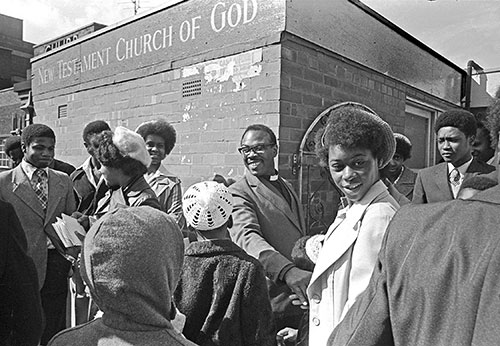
<point x="16" y="189"/>
<point x="432" y="184"/>
<point x="266" y="227"/>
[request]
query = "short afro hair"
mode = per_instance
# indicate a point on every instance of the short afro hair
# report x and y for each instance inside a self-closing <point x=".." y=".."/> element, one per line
<point x="108" y="155"/>
<point x="493" y="121"/>
<point x="459" y="118"/>
<point x="350" y="127"/>
<point x="11" y="143"/>
<point x="36" y="130"/>
<point x="261" y="127"/>
<point x="403" y="146"/>
<point x="160" y="128"/>
<point x="94" y="128"/>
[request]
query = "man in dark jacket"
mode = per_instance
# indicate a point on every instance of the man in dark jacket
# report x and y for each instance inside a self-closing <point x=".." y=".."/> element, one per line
<point x="455" y="134"/>
<point x="86" y="177"/>
<point x="20" y="306"/>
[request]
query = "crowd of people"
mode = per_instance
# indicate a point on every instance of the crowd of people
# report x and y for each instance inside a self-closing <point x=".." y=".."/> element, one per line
<point x="410" y="259"/>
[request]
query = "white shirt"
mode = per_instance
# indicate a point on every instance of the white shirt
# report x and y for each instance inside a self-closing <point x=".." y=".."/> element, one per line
<point x="461" y="170"/>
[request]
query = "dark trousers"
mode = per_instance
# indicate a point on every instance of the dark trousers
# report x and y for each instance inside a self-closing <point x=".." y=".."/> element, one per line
<point x="53" y="294"/>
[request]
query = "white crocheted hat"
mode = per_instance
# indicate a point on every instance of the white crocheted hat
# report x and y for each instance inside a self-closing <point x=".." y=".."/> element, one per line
<point x="207" y="205"/>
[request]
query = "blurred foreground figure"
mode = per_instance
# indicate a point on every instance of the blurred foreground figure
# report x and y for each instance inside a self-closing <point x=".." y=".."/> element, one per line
<point x="20" y="306"/>
<point x="131" y="261"/>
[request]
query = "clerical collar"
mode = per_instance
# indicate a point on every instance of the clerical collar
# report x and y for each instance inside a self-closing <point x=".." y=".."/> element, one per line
<point x="271" y="177"/>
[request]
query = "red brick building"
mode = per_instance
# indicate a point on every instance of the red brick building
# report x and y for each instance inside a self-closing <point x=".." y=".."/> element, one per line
<point x="212" y="67"/>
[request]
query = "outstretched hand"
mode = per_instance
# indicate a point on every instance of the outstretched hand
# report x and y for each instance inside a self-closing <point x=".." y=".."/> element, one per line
<point x="298" y="280"/>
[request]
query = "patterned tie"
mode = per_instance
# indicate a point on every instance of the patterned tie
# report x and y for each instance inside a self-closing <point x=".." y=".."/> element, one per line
<point x="39" y="184"/>
<point x="454" y="177"/>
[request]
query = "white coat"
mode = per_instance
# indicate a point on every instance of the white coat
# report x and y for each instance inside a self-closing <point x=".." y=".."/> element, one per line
<point x="347" y="259"/>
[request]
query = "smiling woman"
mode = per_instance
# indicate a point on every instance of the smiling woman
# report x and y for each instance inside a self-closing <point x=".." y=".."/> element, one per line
<point x="355" y="144"/>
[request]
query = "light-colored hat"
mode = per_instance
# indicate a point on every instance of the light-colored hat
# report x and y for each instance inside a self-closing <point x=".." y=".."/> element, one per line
<point x="207" y="205"/>
<point x="131" y="144"/>
<point x="389" y="148"/>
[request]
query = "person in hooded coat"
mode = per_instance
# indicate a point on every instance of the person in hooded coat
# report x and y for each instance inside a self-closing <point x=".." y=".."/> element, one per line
<point x="131" y="261"/>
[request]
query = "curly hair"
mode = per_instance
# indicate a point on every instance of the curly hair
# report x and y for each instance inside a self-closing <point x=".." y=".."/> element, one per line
<point x="350" y="128"/>
<point x="459" y="118"/>
<point x="109" y="155"/>
<point x="36" y="130"/>
<point x="493" y="121"/>
<point x="160" y="128"/>
<point x="11" y="143"/>
<point x="94" y="128"/>
<point x="403" y="146"/>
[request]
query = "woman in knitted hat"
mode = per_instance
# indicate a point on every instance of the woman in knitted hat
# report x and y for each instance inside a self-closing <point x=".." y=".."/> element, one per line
<point x="160" y="138"/>
<point x="354" y="144"/>
<point x="124" y="160"/>
<point x="131" y="261"/>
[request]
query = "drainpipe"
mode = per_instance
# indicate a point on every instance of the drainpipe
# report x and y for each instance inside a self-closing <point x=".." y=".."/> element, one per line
<point x="468" y="82"/>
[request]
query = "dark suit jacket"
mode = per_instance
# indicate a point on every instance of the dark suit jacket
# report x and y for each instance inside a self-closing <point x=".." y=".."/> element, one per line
<point x="266" y="227"/>
<point x="84" y="190"/>
<point x="62" y="166"/>
<point x="15" y="188"/>
<point x="436" y="282"/>
<point x="406" y="183"/>
<point x="20" y="307"/>
<point x="432" y="182"/>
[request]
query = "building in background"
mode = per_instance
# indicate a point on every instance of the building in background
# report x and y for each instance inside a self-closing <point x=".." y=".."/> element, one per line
<point x="15" y="55"/>
<point x="213" y="67"/>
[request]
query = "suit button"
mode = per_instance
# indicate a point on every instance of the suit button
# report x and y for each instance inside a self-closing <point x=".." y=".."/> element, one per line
<point x="315" y="321"/>
<point x="316" y="299"/>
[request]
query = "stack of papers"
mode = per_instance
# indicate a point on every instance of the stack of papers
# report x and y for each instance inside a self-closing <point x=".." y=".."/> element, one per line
<point x="70" y="232"/>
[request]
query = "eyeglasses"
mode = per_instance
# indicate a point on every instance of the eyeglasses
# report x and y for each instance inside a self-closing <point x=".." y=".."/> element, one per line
<point x="257" y="149"/>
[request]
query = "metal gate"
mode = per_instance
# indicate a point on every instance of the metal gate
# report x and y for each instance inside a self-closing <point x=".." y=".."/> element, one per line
<point x="319" y="195"/>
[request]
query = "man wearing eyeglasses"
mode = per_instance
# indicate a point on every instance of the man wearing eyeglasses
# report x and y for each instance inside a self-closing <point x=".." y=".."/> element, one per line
<point x="268" y="220"/>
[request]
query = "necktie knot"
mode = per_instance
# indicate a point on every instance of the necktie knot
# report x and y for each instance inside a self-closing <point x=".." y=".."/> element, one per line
<point x="40" y="173"/>
<point x="455" y="177"/>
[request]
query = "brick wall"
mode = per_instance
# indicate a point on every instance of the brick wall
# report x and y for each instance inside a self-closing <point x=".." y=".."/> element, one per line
<point x="236" y="91"/>
<point x="9" y="108"/>
<point x="314" y="79"/>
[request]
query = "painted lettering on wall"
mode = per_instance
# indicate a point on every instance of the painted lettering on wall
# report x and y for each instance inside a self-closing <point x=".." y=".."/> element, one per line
<point x="223" y="16"/>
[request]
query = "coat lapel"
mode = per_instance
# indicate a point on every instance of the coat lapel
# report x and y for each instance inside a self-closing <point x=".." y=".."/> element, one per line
<point x="266" y="191"/>
<point x="340" y="236"/>
<point x="343" y="233"/>
<point x="56" y="186"/>
<point x="441" y="180"/>
<point x="21" y="187"/>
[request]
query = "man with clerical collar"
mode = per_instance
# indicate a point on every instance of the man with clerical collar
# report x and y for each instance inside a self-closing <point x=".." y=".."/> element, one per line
<point x="455" y="133"/>
<point x="268" y="220"/>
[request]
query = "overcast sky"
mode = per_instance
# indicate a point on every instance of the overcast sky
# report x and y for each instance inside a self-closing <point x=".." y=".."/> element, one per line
<point x="460" y="30"/>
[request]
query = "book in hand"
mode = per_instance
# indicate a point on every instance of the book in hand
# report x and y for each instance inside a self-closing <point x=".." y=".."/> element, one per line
<point x="69" y="231"/>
